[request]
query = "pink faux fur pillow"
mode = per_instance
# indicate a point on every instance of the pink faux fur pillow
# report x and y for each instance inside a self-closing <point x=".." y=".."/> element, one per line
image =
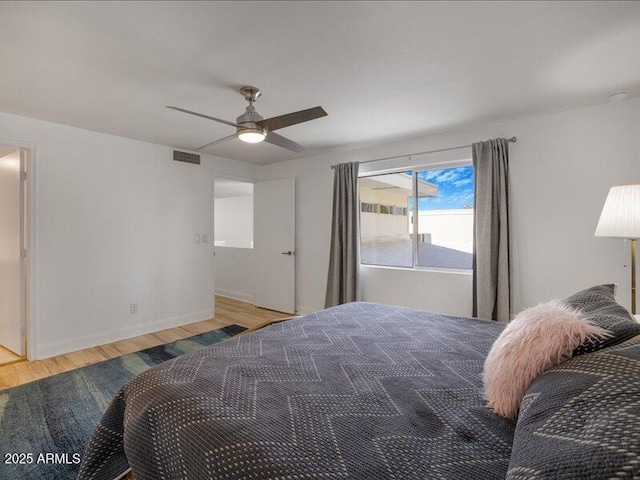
<point x="535" y="340"/>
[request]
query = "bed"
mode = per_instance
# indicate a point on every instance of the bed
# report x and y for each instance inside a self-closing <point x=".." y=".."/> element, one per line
<point x="358" y="391"/>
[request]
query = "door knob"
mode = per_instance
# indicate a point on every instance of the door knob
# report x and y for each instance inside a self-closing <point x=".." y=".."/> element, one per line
<point x="289" y="252"/>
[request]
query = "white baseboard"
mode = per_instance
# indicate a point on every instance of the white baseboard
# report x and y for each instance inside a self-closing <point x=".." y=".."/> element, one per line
<point x="242" y="296"/>
<point x="304" y="310"/>
<point x="79" y="343"/>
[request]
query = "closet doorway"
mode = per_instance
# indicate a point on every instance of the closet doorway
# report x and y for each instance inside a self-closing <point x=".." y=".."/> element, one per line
<point x="13" y="254"/>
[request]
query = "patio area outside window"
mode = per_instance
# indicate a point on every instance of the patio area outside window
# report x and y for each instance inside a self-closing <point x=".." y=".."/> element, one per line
<point x="418" y="218"/>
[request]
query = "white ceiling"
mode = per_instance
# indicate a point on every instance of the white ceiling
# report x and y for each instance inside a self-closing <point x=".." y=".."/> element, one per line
<point x="4" y="151"/>
<point x="231" y="188"/>
<point x="382" y="70"/>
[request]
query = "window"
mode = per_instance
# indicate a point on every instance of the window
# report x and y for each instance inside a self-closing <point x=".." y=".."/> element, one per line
<point x="418" y="218"/>
<point x="368" y="207"/>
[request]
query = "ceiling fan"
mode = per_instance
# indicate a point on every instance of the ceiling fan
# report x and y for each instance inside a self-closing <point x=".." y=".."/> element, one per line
<point x="251" y="127"/>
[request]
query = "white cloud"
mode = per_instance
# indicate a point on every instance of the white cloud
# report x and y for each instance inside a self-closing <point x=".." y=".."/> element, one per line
<point x="463" y="182"/>
<point x="428" y="175"/>
<point x="447" y="176"/>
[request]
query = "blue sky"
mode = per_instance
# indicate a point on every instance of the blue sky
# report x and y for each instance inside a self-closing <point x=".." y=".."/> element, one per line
<point x="455" y="187"/>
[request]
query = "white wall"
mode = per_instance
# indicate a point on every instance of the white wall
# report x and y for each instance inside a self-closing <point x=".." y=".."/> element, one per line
<point x="234" y="219"/>
<point x="417" y="289"/>
<point x="450" y="228"/>
<point x="116" y="219"/>
<point x="115" y="225"/>
<point x="234" y="267"/>
<point x="381" y="227"/>
<point x="235" y="273"/>
<point x="561" y="169"/>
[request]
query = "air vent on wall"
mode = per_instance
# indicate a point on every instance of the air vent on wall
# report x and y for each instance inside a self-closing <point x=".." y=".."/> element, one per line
<point x="186" y="157"/>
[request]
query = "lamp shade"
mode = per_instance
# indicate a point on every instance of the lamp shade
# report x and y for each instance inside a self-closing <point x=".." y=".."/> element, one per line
<point x="620" y="215"/>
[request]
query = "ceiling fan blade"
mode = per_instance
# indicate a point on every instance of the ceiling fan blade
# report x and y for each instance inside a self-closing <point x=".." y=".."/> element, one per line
<point x="204" y="116"/>
<point x="222" y="140"/>
<point x="275" y="123"/>
<point x="283" y="142"/>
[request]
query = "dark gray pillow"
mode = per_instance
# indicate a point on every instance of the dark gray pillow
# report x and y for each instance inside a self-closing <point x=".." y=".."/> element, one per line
<point x="579" y="420"/>
<point x="599" y="306"/>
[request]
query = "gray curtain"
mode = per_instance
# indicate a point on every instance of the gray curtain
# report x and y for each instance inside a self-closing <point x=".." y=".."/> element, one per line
<point x="491" y="255"/>
<point x="343" y="283"/>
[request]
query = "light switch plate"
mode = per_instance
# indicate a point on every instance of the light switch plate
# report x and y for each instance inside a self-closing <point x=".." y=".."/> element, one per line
<point x="196" y="238"/>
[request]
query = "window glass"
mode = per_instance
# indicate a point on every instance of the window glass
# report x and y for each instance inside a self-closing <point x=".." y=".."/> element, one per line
<point x="442" y="234"/>
<point x="384" y="223"/>
<point x="445" y="220"/>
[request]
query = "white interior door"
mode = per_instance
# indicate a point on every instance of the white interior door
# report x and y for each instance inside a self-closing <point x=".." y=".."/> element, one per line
<point x="274" y="236"/>
<point x="11" y="276"/>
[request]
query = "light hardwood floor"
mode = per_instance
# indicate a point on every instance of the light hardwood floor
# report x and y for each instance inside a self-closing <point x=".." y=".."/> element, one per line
<point x="7" y="356"/>
<point x="228" y="311"/>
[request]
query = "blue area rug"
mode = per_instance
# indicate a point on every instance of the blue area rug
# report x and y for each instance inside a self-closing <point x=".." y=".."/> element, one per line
<point x="45" y="425"/>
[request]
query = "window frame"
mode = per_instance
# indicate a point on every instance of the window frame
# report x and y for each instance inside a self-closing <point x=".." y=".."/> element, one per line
<point x="466" y="162"/>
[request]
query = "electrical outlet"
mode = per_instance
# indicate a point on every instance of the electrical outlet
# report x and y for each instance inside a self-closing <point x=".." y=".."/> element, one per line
<point x="196" y="238"/>
<point x="133" y="308"/>
<point x="204" y="237"/>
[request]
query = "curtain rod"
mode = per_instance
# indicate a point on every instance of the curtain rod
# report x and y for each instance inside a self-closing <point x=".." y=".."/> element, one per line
<point x="509" y="140"/>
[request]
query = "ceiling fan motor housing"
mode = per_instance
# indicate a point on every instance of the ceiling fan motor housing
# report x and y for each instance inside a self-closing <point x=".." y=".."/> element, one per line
<point x="248" y="120"/>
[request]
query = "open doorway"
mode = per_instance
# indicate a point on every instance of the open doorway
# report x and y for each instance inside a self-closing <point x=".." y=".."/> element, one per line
<point x="233" y="240"/>
<point x="13" y="254"/>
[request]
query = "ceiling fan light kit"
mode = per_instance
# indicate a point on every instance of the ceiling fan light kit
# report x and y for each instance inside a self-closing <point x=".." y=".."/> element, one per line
<point x="251" y="127"/>
<point x="251" y="135"/>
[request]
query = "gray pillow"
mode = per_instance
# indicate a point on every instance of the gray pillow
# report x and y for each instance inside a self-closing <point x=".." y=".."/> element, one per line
<point x="579" y="420"/>
<point x="599" y="306"/>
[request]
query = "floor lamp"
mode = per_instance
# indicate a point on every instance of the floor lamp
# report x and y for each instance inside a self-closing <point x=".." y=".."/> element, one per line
<point x="620" y="218"/>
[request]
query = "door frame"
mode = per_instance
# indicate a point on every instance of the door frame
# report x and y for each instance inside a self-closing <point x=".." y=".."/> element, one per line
<point x="29" y="228"/>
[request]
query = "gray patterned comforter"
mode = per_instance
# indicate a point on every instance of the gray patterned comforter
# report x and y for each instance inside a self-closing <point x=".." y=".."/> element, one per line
<point x="359" y="391"/>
